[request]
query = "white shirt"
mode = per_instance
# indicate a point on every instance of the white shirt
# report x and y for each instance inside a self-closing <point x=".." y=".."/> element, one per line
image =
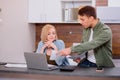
<point x="91" y="56"/>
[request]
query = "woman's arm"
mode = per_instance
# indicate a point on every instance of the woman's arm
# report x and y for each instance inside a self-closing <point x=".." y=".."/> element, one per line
<point x="40" y="48"/>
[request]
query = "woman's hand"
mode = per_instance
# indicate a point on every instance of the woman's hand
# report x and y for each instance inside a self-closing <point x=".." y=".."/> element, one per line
<point x="46" y="45"/>
<point x="52" y="45"/>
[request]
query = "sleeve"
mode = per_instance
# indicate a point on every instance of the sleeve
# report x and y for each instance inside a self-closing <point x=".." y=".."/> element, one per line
<point x="60" y="44"/>
<point x="40" y="44"/>
<point x="61" y="60"/>
<point x="99" y="40"/>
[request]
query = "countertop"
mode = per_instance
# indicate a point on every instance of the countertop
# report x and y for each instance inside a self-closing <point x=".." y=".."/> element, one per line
<point x="89" y="72"/>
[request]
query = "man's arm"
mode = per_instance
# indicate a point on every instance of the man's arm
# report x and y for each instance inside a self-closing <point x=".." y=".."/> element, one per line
<point x="99" y="40"/>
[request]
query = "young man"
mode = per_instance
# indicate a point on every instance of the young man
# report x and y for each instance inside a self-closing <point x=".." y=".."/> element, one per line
<point x="96" y="40"/>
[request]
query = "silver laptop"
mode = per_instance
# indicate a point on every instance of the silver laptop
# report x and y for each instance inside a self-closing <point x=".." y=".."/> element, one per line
<point x="38" y="61"/>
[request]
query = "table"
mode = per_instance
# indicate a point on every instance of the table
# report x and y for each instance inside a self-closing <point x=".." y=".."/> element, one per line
<point x="13" y="73"/>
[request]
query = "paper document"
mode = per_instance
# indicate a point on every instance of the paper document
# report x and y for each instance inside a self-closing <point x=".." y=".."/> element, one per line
<point x="53" y="55"/>
<point x="70" y="60"/>
<point x="81" y="56"/>
<point x="50" y="65"/>
<point x="15" y="65"/>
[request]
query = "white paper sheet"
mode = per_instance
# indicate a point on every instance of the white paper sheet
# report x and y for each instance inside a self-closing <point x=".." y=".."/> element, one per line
<point x="15" y="65"/>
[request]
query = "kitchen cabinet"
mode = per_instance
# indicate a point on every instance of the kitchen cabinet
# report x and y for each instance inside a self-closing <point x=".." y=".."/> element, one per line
<point x="45" y="11"/>
<point x="70" y="9"/>
<point x="108" y="14"/>
<point x="112" y="3"/>
<point x="54" y="11"/>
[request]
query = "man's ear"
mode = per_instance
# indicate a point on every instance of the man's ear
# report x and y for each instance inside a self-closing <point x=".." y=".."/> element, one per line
<point x="91" y="18"/>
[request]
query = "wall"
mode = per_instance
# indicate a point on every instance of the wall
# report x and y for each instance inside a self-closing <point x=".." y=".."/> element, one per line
<point x="16" y="35"/>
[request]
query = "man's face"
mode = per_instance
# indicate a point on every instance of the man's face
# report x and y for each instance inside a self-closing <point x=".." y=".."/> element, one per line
<point x="85" y="21"/>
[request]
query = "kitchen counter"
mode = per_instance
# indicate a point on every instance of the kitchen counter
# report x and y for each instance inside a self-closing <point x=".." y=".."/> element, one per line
<point x="12" y="73"/>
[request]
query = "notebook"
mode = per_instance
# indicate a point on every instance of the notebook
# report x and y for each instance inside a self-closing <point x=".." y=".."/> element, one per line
<point x="38" y="61"/>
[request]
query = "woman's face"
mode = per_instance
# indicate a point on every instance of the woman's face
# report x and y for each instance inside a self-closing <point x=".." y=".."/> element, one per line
<point x="51" y="35"/>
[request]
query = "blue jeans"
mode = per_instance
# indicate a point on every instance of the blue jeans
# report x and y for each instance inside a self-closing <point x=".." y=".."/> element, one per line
<point x="86" y="63"/>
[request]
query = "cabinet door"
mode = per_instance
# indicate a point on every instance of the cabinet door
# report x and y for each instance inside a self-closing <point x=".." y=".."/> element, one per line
<point x="35" y="11"/>
<point x="53" y="11"/>
<point x="44" y="11"/>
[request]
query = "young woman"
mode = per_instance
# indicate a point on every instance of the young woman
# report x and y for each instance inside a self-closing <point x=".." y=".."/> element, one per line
<point x="50" y="44"/>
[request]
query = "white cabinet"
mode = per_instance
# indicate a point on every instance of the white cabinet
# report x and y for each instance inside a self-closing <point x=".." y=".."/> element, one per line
<point x="53" y="11"/>
<point x="108" y="14"/>
<point x="70" y="9"/>
<point x="113" y="3"/>
<point x="44" y="11"/>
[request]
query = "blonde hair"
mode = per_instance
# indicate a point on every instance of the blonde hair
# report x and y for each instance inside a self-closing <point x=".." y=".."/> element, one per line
<point x="45" y="31"/>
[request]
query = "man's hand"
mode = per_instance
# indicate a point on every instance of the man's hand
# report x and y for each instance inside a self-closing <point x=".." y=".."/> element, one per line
<point x="77" y="60"/>
<point x="65" y="52"/>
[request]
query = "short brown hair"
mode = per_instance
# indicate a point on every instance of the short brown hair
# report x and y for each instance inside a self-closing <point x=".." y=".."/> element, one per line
<point x="45" y="30"/>
<point x="88" y="11"/>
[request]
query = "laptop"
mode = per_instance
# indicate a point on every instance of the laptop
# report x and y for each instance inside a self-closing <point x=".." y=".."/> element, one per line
<point x="38" y="61"/>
